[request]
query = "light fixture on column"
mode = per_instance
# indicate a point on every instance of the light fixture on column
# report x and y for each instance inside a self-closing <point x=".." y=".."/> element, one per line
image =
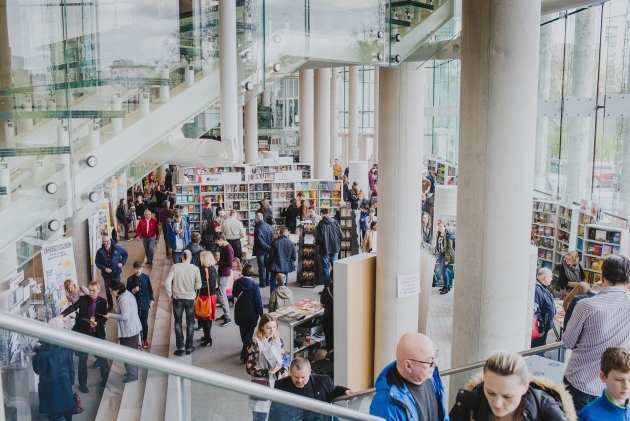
<point x="51" y="188"/>
<point x="91" y="161"/>
<point x="396" y="59"/>
<point x="378" y="56"/>
<point x="380" y="34"/>
<point x="54" y="225"/>
<point x="94" y="196"/>
<point x="276" y="67"/>
<point x="249" y="86"/>
<point x="277" y="38"/>
<point x="396" y="37"/>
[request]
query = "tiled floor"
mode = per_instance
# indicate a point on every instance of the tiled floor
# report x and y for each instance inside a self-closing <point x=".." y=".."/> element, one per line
<point x="439" y="326"/>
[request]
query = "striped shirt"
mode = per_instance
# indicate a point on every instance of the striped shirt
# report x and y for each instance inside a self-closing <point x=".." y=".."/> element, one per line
<point x="597" y="323"/>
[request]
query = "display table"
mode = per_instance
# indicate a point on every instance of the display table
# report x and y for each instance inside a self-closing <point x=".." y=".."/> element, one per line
<point x="300" y="326"/>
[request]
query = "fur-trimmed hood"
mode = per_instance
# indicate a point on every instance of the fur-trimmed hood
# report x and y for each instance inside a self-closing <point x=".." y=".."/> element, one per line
<point x="545" y="399"/>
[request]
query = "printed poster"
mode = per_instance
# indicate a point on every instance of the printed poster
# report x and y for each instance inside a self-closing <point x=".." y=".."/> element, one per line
<point x="58" y="264"/>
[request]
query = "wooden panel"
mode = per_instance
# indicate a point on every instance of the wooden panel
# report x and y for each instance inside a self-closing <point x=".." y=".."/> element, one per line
<point x="354" y="291"/>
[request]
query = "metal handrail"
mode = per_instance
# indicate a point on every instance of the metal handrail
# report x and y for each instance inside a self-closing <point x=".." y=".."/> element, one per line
<point x="85" y="343"/>
<point x="456" y="370"/>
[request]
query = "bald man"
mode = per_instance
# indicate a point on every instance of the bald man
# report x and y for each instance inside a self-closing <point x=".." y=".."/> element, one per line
<point x="410" y="388"/>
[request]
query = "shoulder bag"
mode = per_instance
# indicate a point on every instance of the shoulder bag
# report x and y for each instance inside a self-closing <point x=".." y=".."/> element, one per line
<point x="203" y="308"/>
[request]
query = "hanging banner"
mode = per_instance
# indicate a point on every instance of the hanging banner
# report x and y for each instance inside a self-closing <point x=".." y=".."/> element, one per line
<point x="58" y="264"/>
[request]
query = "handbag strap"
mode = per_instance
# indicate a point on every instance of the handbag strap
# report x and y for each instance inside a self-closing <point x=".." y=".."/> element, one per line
<point x="207" y="280"/>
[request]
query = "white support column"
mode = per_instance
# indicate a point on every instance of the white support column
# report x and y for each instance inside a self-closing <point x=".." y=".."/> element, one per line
<point x="228" y="79"/>
<point x="321" y="132"/>
<point x="165" y="90"/>
<point x="305" y="110"/>
<point x="266" y="98"/>
<point x="95" y="136"/>
<point x="353" y="113"/>
<point x="399" y="226"/>
<point x="363" y="155"/>
<point x="251" y="131"/>
<point x="5" y="185"/>
<point x="376" y="110"/>
<point x="499" y="81"/>
<point x="116" y="106"/>
<point x="144" y="104"/>
<point x="241" y="140"/>
<point x="334" y="117"/>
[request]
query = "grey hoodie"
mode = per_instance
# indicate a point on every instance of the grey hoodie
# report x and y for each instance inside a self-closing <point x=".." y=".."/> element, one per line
<point x="282" y="297"/>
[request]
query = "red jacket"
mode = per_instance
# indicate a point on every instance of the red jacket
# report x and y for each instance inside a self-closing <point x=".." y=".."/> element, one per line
<point x="153" y="230"/>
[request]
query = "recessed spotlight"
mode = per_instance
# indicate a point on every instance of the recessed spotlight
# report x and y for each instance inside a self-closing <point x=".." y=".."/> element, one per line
<point x="91" y="161"/>
<point x="54" y="225"/>
<point x="94" y="196"/>
<point x="51" y="188"/>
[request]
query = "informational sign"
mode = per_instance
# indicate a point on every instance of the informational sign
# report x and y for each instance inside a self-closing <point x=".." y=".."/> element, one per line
<point x="270" y="162"/>
<point x="210" y="179"/>
<point x="58" y="264"/>
<point x="408" y="285"/>
<point x="288" y="176"/>
<point x="16" y="280"/>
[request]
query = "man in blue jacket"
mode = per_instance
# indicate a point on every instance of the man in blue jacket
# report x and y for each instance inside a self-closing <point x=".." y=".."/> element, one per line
<point x="263" y="235"/>
<point x="281" y="258"/>
<point x="110" y="259"/>
<point x="247" y="308"/>
<point x="410" y="388"/>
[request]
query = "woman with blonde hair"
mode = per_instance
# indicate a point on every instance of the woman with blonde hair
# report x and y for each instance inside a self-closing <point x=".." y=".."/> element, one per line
<point x="208" y="292"/>
<point x="264" y="360"/>
<point x="570" y="273"/>
<point x="74" y="291"/>
<point x="505" y="390"/>
<point x="581" y="289"/>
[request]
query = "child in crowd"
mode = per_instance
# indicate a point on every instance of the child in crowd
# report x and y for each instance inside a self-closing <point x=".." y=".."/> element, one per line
<point x="614" y="403"/>
<point x="282" y="296"/>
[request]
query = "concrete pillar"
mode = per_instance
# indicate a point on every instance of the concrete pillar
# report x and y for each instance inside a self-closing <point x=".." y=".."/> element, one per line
<point x="241" y="141"/>
<point x="117" y="124"/>
<point x="266" y="98"/>
<point x="5" y="185"/>
<point x="496" y="177"/>
<point x="251" y="131"/>
<point x="398" y="243"/>
<point x="228" y="76"/>
<point x="344" y="150"/>
<point x="542" y="123"/>
<point x="165" y="90"/>
<point x="95" y="136"/>
<point x="321" y="131"/>
<point x="144" y="104"/>
<point x="376" y="110"/>
<point x="334" y="117"/>
<point x="353" y="113"/>
<point x="305" y="107"/>
<point x="363" y="152"/>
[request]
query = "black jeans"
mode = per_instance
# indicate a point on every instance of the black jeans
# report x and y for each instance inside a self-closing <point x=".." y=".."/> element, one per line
<point x="328" y="326"/>
<point x="103" y="366"/>
<point x="236" y="246"/>
<point x="144" y="321"/>
<point x="179" y="306"/>
<point x="206" y="325"/>
<point x="263" y="275"/>
<point x="580" y="399"/>
<point x="247" y="333"/>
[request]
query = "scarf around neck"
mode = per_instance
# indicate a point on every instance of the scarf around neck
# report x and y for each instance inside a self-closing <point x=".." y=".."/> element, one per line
<point x="572" y="272"/>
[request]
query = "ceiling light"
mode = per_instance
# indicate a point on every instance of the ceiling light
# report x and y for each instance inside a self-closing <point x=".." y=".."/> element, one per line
<point x="397" y="58"/>
<point x="94" y="196"/>
<point x="51" y="188"/>
<point x="54" y="225"/>
<point x="276" y="67"/>
<point x="91" y="161"/>
<point x="380" y="34"/>
<point x="249" y="86"/>
<point x="397" y="37"/>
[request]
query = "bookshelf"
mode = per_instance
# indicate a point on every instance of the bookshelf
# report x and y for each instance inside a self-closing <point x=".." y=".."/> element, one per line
<point x="566" y="231"/>
<point x="189" y="197"/>
<point x="446" y="171"/>
<point x="281" y="195"/>
<point x="309" y="266"/>
<point x="330" y="195"/>
<point x="216" y="193"/>
<point x="257" y="192"/>
<point x="584" y="219"/>
<point x="236" y="198"/>
<point x="306" y="170"/>
<point x="601" y="241"/>
<point x="544" y="217"/>
<point x="310" y="190"/>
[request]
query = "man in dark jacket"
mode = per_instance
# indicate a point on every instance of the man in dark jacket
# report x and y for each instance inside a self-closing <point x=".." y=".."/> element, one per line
<point x="301" y="382"/>
<point x="195" y="248"/>
<point x="290" y="214"/>
<point x="248" y="307"/>
<point x="328" y="237"/>
<point x="263" y="235"/>
<point x="140" y="286"/>
<point x="90" y="321"/>
<point x="110" y="259"/>
<point x="226" y="256"/>
<point x="282" y="258"/>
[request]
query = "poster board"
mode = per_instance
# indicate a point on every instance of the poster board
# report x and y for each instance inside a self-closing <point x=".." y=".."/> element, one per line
<point x="58" y="264"/>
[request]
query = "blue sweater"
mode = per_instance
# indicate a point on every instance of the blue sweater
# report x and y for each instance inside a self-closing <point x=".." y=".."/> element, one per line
<point x="603" y="409"/>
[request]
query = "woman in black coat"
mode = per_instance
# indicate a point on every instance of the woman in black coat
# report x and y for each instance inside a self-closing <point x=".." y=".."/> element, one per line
<point x="121" y="216"/>
<point x="208" y="291"/>
<point x="328" y="324"/>
<point x="55" y="368"/>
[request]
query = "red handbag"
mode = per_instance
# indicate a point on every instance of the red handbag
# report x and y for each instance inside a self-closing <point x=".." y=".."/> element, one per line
<point x="535" y="329"/>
